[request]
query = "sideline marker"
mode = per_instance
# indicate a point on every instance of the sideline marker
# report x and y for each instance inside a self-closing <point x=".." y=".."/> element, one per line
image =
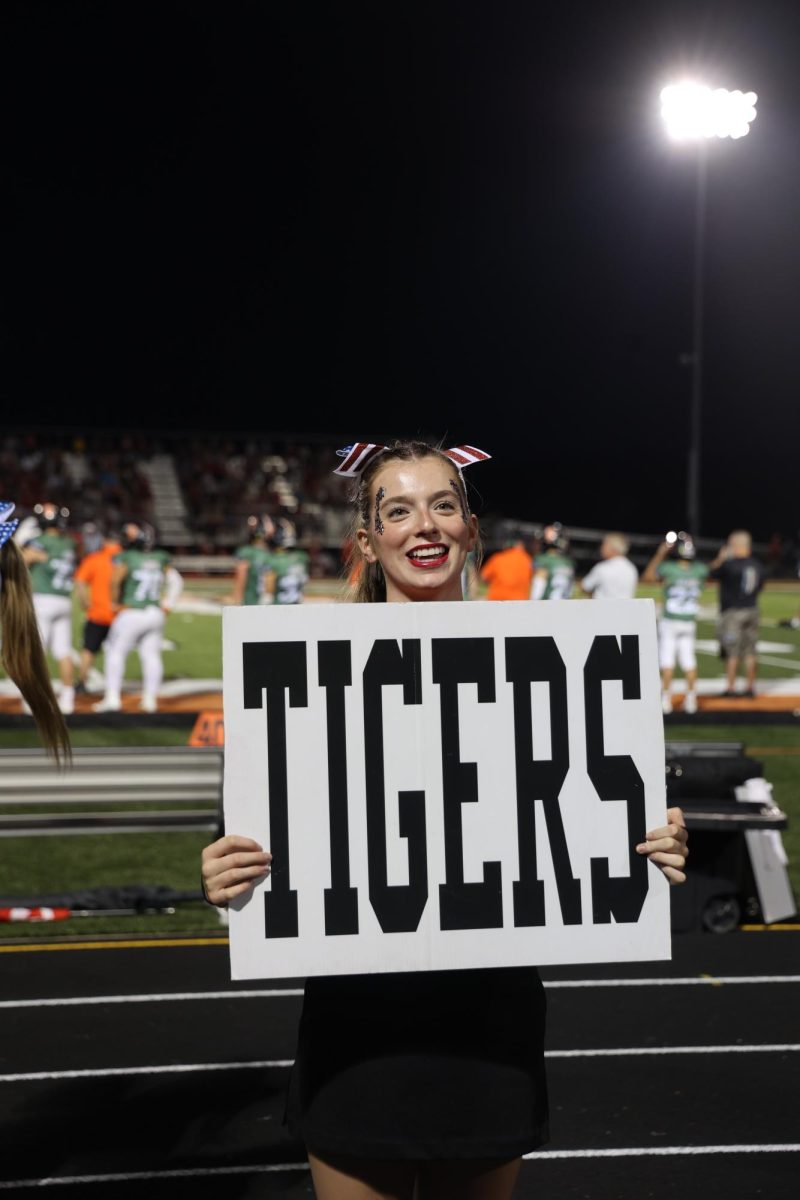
<point x="209" y="729"/>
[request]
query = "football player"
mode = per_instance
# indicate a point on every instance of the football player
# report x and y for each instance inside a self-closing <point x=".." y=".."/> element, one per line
<point x="143" y="590"/>
<point x="253" y="563"/>
<point x="289" y="566"/>
<point x="50" y="558"/>
<point x="683" y="579"/>
<point x="554" y="570"/>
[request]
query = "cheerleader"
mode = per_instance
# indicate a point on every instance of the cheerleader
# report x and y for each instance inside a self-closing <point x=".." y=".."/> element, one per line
<point x="427" y="1084"/>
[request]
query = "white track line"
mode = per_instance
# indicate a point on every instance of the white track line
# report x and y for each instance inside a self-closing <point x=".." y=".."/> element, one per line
<point x="168" y="1069"/>
<point x="275" y="1063"/>
<point x="153" y="998"/>
<point x="666" y="1151"/>
<point x="137" y="1176"/>
<point x="644" y="1051"/>
<point x="261" y="1169"/>
<point x="277" y="993"/>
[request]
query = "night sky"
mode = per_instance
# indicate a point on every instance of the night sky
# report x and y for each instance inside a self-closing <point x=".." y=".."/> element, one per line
<point x="458" y="219"/>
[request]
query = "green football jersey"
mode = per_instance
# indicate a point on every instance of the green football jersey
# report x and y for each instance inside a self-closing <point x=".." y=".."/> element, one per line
<point x="560" y="575"/>
<point x="683" y="583"/>
<point x="259" y="565"/>
<point x="143" y="586"/>
<point x="54" y="577"/>
<point x="290" y="568"/>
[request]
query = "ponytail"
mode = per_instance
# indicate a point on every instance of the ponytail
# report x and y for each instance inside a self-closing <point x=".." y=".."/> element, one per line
<point x="23" y="655"/>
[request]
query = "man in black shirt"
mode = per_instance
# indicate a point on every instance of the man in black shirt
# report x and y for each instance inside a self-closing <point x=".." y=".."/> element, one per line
<point x="741" y="578"/>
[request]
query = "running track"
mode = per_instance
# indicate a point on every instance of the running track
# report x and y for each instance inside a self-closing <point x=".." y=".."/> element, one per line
<point x="141" y="1071"/>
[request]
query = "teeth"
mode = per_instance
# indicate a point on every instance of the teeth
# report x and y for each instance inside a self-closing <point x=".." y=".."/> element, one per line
<point x="428" y="552"/>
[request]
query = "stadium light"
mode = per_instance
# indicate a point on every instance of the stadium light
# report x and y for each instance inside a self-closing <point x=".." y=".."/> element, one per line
<point x="692" y="111"/>
<point x="695" y="113"/>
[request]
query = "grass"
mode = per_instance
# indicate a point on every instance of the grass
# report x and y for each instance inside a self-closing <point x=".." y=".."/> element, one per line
<point x="50" y="864"/>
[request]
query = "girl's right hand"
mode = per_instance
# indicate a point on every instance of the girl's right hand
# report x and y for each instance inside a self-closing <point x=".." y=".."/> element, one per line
<point x="231" y="866"/>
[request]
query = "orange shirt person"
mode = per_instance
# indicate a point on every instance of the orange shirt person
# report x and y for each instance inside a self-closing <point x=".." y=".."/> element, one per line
<point x="509" y="574"/>
<point x="93" y="586"/>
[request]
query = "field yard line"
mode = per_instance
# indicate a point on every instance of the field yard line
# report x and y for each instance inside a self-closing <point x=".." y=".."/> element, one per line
<point x="279" y="993"/>
<point x="275" y="1063"/>
<point x="269" y="1168"/>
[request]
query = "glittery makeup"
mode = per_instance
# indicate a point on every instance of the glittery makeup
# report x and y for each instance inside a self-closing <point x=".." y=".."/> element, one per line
<point x="460" y="494"/>
<point x="381" y="492"/>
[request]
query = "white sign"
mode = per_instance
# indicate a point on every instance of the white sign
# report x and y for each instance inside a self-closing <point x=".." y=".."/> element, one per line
<point x="445" y="785"/>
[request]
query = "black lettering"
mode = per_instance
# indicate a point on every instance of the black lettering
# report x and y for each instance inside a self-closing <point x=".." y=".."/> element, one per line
<point x="398" y="907"/>
<point x="463" y="905"/>
<point x="341" y="900"/>
<point x="615" y="777"/>
<point x="277" y="667"/>
<point x="528" y="660"/>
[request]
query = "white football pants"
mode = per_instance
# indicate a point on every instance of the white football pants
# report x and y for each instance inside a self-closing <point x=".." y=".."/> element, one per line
<point x="142" y="628"/>
<point x="54" y="618"/>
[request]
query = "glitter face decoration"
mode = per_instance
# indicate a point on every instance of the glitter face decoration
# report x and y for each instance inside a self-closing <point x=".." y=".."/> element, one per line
<point x="381" y="492"/>
<point x="460" y="494"/>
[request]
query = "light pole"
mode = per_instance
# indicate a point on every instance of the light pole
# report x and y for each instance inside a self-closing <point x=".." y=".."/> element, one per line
<point x="694" y="113"/>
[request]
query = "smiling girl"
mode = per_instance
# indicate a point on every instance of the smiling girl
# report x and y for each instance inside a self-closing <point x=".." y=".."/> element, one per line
<point x="429" y="1084"/>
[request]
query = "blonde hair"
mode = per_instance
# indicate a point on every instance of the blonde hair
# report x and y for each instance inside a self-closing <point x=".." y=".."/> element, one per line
<point x="367" y="584"/>
<point x="23" y="656"/>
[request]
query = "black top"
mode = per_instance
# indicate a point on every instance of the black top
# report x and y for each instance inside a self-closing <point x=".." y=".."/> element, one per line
<point x="740" y="581"/>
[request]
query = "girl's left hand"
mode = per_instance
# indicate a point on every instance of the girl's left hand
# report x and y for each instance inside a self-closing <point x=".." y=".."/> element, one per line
<point x="668" y="847"/>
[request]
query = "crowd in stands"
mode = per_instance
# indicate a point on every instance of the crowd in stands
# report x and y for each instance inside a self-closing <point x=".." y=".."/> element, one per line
<point x="93" y="477"/>
<point x="226" y="479"/>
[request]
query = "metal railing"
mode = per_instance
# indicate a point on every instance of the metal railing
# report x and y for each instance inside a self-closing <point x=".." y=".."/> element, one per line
<point x="174" y="775"/>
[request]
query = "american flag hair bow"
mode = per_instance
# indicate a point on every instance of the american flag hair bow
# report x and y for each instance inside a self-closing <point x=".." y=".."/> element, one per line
<point x="465" y="456"/>
<point x="359" y="455"/>
<point x="7" y="528"/>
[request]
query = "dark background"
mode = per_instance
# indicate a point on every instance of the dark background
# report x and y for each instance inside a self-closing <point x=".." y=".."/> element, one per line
<point x="456" y="218"/>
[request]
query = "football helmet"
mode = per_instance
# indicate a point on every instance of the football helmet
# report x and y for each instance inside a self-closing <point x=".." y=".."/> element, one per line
<point x="554" y="538"/>
<point x="682" y="543"/>
<point x="137" y="535"/>
<point x="51" y="516"/>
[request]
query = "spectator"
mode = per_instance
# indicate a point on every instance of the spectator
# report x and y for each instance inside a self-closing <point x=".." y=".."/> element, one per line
<point x="741" y="578"/>
<point x="614" y="578"/>
<point x="509" y="573"/>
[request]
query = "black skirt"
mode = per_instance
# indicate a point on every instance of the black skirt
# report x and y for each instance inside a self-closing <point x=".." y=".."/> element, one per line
<point x="447" y="1064"/>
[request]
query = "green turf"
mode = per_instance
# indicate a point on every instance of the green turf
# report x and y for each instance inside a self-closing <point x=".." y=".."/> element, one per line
<point x="171" y="859"/>
<point x="122" y="735"/>
<point x="38" y="865"/>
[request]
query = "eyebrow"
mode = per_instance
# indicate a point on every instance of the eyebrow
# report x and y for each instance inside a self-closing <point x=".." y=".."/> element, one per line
<point x="405" y="500"/>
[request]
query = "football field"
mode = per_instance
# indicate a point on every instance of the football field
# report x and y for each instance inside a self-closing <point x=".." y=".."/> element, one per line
<point x="193" y="670"/>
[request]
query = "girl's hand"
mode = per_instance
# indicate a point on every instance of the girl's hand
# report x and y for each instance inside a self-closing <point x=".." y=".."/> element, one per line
<point x="231" y="866"/>
<point x="667" y="846"/>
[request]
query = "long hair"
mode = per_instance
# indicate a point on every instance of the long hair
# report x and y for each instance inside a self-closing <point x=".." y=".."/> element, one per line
<point x="366" y="579"/>
<point x="23" y="655"/>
